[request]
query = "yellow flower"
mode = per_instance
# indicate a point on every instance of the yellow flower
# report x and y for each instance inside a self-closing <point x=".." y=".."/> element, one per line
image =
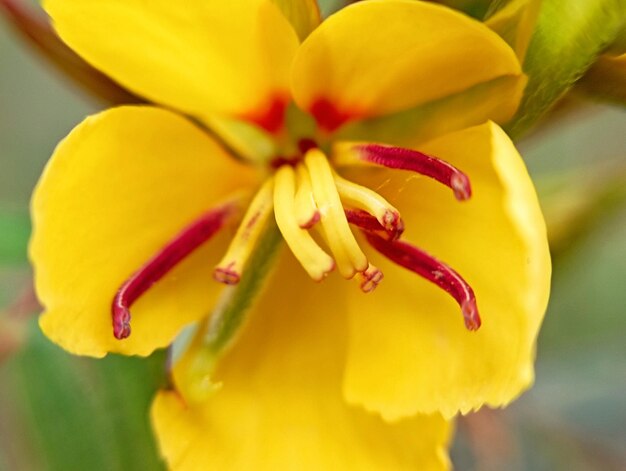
<point x="132" y="193"/>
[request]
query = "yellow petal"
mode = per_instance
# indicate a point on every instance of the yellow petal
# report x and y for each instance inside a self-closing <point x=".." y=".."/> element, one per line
<point x="119" y="187"/>
<point x="495" y="100"/>
<point x="409" y="350"/>
<point x="280" y="405"/>
<point x="379" y="57"/>
<point x="230" y="57"/>
<point x="304" y="15"/>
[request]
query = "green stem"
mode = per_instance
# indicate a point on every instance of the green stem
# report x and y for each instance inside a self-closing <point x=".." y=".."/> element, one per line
<point x="235" y="301"/>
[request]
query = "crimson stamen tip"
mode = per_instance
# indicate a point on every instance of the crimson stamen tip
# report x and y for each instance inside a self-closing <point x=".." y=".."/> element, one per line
<point x="470" y="315"/>
<point x="461" y="186"/>
<point x="371" y="280"/>
<point x="393" y="224"/>
<point x="121" y="322"/>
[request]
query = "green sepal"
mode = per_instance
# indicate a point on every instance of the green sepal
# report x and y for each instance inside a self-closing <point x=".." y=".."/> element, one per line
<point x="567" y="39"/>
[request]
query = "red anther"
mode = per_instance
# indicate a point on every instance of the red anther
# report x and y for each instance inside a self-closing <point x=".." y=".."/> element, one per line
<point x="311" y="222"/>
<point x="393" y="223"/>
<point x="306" y="144"/>
<point x="370" y="279"/>
<point x="433" y="270"/>
<point x="226" y="275"/>
<point x="367" y="222"/>
<point x="279" y="161"/>
<point x="415" y="161"/>
<point x="167" y="258"/>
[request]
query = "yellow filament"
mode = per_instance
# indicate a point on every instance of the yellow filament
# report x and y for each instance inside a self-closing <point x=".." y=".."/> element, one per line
<point x="346" y="154"/>
<point x="230" y="268"/>
<point x="350" y="258"/>
<point x="306" y="209"/>
<point x="368" y="200"/>
<point x="369" y="279"/>
<point x="313" y="259"/>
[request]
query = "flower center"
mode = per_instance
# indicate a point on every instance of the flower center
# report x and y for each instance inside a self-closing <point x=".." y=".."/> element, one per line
<point x="313" y="208"/>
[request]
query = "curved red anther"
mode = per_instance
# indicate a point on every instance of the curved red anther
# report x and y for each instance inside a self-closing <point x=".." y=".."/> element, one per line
<point x="367" y="222"/>
<point x="167" y="258"/>
<point x="433" y="270"/>
<point x="415" y="161"/>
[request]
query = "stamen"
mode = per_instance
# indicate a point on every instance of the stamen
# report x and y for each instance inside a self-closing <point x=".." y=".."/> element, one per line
<point x="307" y="213"/>
<point x="369" y="279"/>
<point x="166" y="259"/>
<point x="368" y="200"/>
<point x="230" y="268"/>
<point x="405" y="159"/>
<point x="367" y="222"/>
<point x="350" y="258"/>
<point x="313" y="259"/>
<point x="433" y="270"/>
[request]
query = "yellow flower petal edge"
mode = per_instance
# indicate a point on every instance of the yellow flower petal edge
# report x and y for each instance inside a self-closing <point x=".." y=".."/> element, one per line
<point x="409" y="351"/>
<point x="198" y="56"/>
<point x="280" y="405"/>
<point x="304" y="15"/>
<point x="407" y="53"/>
<point x="100" y="211"/>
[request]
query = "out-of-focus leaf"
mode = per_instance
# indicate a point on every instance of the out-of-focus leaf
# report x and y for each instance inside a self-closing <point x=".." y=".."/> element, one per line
<point x="75" y="414"/>
<point x="14" y="231"/>
<point x="37" y="31"/>
<point x="588" y="297"/>
<point x="567" y="39"/>
<point x="515" y="23"/>
<point x="577" y="203"/>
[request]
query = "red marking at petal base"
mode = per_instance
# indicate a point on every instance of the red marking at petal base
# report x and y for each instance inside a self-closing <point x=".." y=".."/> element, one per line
<point x="433" y="270"/>
<point x="328" y="116"/>
<point x="271" y="117"/>
<point x="167" y="258"/>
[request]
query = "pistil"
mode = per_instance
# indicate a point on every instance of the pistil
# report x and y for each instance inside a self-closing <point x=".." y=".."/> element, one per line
<point x="405" y="159"/>
<point x="167" y="258"/>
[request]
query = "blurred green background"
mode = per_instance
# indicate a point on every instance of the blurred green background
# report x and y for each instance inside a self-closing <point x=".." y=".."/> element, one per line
<point x="59" y="412"/>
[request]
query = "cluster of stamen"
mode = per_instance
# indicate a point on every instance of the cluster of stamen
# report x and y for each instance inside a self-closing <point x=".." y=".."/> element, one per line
<point x="312" y="204"/>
